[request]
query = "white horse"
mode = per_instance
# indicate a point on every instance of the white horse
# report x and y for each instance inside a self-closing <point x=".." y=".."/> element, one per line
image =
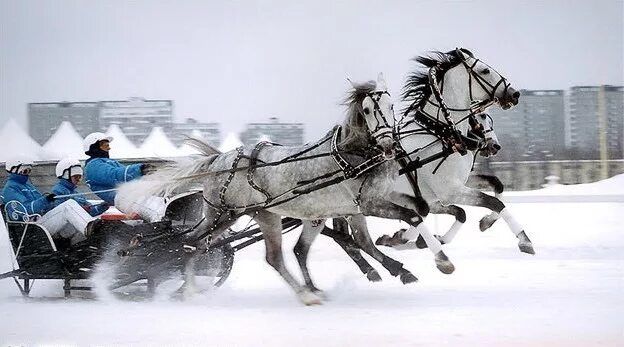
<point x="466" y="86"/>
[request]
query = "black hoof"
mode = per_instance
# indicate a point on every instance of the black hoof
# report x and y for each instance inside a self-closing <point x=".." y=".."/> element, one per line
<point x="407" y="277"/>
<point x="485" y="223"/>
<point x="383" y="240"/>
<point x="444" y="264"/>
<point x="526" y="248"/>
<point x="373" y="276"/>
<point x="420" y="242"/>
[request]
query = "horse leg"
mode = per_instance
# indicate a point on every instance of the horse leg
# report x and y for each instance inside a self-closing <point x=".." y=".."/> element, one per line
<point x="474" y="197"/>
<point x="340" y="235"/>
<point x="417" y="229"/>
<point x="460" y="219"/>
<point x="493" y="181"/>
<point x="271" y="226"/>
<point x="310" y="231"/>
<point x="363" y="239"/>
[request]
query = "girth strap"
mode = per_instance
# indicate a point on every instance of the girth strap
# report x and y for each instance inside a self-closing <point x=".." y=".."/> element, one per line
<point x="224" y="206"/>
<point x="253" y="159"/>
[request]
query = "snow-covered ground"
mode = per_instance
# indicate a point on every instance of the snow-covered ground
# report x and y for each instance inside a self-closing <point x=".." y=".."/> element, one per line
<point x="569" y="294"/>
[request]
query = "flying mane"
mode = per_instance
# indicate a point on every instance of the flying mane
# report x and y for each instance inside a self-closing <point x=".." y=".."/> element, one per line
<point x="416" y="88"/>
<point x="355" y="133"/>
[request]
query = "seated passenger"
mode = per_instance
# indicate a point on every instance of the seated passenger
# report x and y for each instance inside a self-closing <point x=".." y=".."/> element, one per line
<point x="103" y="175"/>
<point x="57" y="220"/>
<point x="69" y="172"/>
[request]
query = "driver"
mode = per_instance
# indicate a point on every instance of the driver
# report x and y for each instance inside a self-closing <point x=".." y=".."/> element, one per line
<point x="41" y="208"/>
<point x="69" y="172"/>
<point x="103" y="175"/>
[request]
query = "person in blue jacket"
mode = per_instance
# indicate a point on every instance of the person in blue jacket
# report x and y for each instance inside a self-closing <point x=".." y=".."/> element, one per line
<point x="69" y="173"/>
<point x="103" y="175"/>
<point x="25" y="203"/>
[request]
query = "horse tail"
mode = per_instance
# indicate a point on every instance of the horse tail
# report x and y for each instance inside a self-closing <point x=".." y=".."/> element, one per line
<point x="181" y="175"/>
<point x="203" y="147"/>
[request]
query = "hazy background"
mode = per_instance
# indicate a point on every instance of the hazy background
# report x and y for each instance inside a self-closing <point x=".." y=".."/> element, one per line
<point x="236" y="62"/>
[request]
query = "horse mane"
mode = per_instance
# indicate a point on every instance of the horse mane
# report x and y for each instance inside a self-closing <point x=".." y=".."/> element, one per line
<point x="416" y="89"/>
<point x="354" y="128"/>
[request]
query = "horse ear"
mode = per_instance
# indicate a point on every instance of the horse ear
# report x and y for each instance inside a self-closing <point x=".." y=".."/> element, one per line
<point x="381" y="83"/>
<point x="461" y="54"/>
<point x="351" y="83"/>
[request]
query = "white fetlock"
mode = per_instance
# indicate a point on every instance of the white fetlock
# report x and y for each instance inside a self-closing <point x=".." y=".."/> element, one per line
<point x="308" y="298"/>
<point x="321" y="294"/>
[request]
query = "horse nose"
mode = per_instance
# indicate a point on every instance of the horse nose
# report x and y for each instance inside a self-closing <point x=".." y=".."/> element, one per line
<point x="515" y="97"/>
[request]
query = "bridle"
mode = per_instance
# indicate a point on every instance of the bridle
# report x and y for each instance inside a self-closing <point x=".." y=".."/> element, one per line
<point x="382" y="128"/>
<point x="447" y="131"/>
<point x="477" y="131"/>
<point x="487" y="87"/>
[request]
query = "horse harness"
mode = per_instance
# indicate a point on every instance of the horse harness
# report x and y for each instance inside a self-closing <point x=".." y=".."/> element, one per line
<point x="345" y="171"/>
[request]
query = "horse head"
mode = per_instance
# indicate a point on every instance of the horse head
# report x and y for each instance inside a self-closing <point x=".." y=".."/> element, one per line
<point x="483" y="84"/>
<point x="372" y="103"/>
<point x="482" y="126"/>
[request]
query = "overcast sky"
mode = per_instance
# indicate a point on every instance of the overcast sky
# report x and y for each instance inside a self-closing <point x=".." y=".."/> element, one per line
<point x="237" y="62"/>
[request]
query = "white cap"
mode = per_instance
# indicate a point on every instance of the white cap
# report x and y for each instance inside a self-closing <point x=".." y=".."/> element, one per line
<point x="12" y="165"/>
<point x="68" y="167"/>
<point x="94" y="138"/>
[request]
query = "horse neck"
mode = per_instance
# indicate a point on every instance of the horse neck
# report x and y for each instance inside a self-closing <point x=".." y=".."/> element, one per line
<point x="353" y="138"/>
<point x="451" y="100"/>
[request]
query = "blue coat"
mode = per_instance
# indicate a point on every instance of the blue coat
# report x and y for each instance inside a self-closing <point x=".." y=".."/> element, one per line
<point x="18" y="187"/>
<point x="105" y="173"/>
<point x="65" y="187"/>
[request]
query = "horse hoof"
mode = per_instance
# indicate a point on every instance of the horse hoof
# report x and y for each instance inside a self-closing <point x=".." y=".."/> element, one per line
<point x="407" y="277"/>
<point x="440" y="239"/>
<point x="524" y="243"/>
<point x="444" y="264"/>
<point x="309" y="298"/>
<point x="526" y="247"/>
<point x="383" y="240"/>
<point x="485" y="223"/>
<point x="420" y="242"/>
<point x="373" y="276"/>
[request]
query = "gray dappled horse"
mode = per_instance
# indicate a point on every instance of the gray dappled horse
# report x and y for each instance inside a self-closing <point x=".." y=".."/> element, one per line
<point x="337" y="178"/>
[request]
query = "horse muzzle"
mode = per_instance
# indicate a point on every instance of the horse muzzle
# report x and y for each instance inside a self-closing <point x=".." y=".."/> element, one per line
<point x="387" y="147"/>
<point x="491" y="149"/>
<point x="510" y="99"/>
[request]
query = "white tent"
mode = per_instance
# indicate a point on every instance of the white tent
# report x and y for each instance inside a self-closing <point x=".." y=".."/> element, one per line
<point x="121" y="147"/>
<point x="14" y="142"/>
<point x="158" y="145"/>
<point x="65" y="142"/>
<point x="230" y="142"/>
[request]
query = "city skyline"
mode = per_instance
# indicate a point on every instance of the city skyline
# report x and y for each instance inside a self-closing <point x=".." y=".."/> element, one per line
<point x="242" y="62"/>
<point x="544" y="124"/>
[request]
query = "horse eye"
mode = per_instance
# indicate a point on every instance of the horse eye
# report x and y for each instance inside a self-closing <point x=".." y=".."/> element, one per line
<point x="482" y="116"/>
<point x="485" y="71"/>
<point x="366" y="110"/>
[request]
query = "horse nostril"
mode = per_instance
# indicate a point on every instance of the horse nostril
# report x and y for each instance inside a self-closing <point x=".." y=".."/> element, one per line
<point x="496" y="146"/>
<point x="516" y="95"/>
